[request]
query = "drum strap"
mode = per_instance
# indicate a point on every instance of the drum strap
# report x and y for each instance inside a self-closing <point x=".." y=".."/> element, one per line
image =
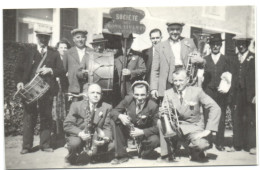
<point x="43" y="59"/>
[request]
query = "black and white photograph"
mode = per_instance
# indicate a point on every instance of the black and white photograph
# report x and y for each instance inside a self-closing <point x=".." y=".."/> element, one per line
<point x="129" y="86"/>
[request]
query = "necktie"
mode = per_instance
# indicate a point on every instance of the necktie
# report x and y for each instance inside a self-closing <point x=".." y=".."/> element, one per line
<point x="181" y="97"/>
<point x="92" y="112"/>
<point x="42" y="51"/>
<point x="138" y="108"/>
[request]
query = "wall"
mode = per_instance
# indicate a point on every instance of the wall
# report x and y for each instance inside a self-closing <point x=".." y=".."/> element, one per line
<point x="231" y="19"/>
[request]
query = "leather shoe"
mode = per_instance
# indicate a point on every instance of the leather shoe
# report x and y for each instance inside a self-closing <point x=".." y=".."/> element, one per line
<point x="119" y="160"/>
<point x="24" y="151"/>
<point x="164" y="160"/>
<point x="47" y="150"/>
<point x="220" y="148"/>
<point x="252" y="151"/>
<point x="237" y="148"/>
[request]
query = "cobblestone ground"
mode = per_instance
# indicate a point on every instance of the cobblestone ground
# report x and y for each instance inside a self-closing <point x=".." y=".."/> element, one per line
<point x="39" y="159"/>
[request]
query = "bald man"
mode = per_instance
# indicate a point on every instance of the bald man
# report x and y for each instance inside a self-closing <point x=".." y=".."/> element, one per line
<point x="87" y="117"/>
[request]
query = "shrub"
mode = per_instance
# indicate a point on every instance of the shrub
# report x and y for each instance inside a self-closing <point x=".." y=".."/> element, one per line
<point x="13" y="108"/>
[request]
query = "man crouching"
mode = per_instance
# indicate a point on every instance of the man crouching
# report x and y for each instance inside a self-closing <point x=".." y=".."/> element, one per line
<point x="88" y="128"/>
<point x="183" y="105"/>
<point x="135" y="116"/>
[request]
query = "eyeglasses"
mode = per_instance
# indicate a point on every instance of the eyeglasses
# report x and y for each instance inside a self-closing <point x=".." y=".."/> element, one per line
<point x="153" y="38"/>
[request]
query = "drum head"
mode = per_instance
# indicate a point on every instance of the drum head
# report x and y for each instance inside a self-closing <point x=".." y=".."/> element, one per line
<point x="101" y="70"/>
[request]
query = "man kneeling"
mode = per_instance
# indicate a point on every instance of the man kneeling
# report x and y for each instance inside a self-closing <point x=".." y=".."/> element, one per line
<point x="88" y="128"/>
<point x="184" y="103"/>
<point x="136" y="116"/>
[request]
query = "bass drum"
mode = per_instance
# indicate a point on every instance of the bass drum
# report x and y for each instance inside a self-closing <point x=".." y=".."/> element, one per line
<point x="101" y="69"/>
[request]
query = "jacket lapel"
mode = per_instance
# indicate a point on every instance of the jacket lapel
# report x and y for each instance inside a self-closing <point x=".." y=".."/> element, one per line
<point x="98" y="115"/>
<point x="184" y="50"/>
<point x="150" y="57"/>
<point x="75" y="55"/>
<point x="168" y="51"/>
<point x="132" y="110"/>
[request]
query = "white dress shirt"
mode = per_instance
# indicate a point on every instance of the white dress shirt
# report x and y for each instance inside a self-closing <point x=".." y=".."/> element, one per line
<point x="215" y="57"/>
<point x="81" y="53"/>
<point x="241" y="57"/>
<point x="41" y="50"/>
<point x="176" y="49"/>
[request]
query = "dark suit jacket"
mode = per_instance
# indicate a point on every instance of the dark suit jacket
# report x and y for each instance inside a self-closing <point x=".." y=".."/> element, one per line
<point x="72" y="64"/>
<point x="191" y="120"/>
<point x="148" y="59"/>
<point x="149" y="114"/>
<point x="214" y="71"/>
<point x="29" y="62"/>
<point x="75" y="121"/>
<point x="164" y="63"/>
<point x="249" y="78"/>
<point x="135" y="64"/>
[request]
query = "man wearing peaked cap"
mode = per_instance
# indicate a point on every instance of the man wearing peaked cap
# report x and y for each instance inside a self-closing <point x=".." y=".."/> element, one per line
<point x="77" y="30"/>
<point x="135" y="116"/>
<point x="243" y="96"/>
<point x="74" y="58"/>
<point x="175" y="23"/>
<point x="170" y="55"/>
<point x="216" y="69"/>
<point x="47" y="63"/>
<point x="99" y="42"/>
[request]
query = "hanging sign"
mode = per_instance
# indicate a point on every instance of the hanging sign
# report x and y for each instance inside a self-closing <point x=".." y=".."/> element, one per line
<point x="126" y="21"/>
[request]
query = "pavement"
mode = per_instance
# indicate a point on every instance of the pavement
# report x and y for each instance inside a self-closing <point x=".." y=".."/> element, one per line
<point x="41" y="160"/>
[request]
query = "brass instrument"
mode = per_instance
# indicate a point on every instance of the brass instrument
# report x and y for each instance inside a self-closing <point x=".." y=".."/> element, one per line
<point x="170" y="121"/>
<point x="170" y="128"/>
<point x="96" y="136"/>
<point x="192" y="70"/>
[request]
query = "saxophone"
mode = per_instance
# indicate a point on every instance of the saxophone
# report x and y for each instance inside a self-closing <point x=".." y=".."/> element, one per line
<point x="97" y="135"/>
<point x="89" y="129"/>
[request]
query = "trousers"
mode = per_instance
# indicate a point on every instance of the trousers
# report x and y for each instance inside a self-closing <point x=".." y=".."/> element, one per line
<point x="121" y="134"/>
<point x="43" y="108"/>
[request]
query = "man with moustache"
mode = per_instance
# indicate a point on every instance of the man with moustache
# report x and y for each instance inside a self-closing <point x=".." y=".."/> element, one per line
<point x="170" y="55"/>
<point x="46" y="62"/>
<point x="73" y="59"/>
<point x="155" y="37"/>
<point x="243" y="97"/>
<point x="216" y="67"/>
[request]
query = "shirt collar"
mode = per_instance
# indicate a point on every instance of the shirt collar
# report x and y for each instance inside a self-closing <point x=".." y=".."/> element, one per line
<point x="91" y="106"/>
<point x="243" y="56"/>
<point x="174" y="42"/>
<point x="216" y="55"/>
<point x="83" y="49"/>
<point x="183" y="92"/>
<point x="245" y="53"/>
<point x="39" y="48"/>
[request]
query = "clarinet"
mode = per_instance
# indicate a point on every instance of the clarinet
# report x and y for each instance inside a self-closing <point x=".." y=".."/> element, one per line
<point x="136" y="140"/>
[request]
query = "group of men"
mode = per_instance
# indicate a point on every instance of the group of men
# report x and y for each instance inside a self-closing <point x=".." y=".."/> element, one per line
<point x="158" y="90"/>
